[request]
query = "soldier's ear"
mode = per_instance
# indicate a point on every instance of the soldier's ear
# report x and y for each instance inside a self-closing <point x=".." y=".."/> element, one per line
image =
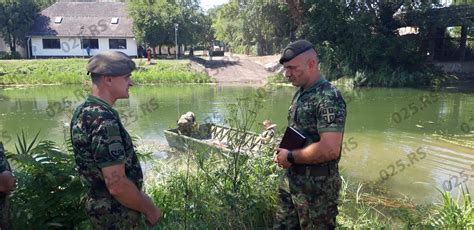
<point x="107" y="80"/>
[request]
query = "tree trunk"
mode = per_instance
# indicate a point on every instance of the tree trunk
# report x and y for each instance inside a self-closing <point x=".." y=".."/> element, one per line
<point x="431" y="44"/>
<point x="462" y="43"/>
<point x="297" y="12"/>
<point x="159" y="49"/>
<point x="169" y="51"/>
<point x="12" y="43"/>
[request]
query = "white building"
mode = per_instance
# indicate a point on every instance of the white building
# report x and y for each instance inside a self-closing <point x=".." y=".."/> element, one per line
<point x="71" y="29"/>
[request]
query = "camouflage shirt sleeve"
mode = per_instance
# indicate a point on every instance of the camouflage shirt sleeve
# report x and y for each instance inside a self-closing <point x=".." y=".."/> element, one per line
<point x="107" y="143"/>
<point x="331" y="112"/>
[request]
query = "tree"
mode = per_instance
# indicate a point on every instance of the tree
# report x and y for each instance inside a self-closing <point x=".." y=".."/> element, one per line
<point x="16" y="19"/>
<point x="149" y="26"/>
<point x="255" y="24"/>
<point x="43" y="4"/>
<point x="154" y="22"/>
<point x="462" y="2"/>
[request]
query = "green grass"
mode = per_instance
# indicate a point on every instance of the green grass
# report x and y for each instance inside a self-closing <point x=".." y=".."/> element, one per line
<point x="72" y="71"/>
<point x="454" y="213"/>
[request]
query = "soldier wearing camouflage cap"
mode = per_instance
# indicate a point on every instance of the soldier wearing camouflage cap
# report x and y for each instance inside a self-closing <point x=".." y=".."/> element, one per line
<point x="104" y="152"/>
<point x="309" y="191"/>
<point x="186" y="124"/>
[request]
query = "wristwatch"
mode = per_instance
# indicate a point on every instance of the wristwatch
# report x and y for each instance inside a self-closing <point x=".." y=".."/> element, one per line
<point x="290" y="157"/>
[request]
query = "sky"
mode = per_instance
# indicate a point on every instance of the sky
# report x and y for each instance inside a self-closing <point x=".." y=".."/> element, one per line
<point x="206" y="4"/>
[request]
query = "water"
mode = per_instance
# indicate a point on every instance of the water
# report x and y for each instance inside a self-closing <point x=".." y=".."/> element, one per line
<point x="389" y="132"/>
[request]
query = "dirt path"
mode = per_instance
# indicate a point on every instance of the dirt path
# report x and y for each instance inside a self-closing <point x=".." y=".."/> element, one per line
<point x="236" y="69"/>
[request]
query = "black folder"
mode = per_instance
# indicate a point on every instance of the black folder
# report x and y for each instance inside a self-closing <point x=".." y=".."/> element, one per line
<point x="292" y="139"/>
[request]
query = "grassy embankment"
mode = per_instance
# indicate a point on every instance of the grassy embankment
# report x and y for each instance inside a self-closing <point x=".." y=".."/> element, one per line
<point x="72" y="71"/>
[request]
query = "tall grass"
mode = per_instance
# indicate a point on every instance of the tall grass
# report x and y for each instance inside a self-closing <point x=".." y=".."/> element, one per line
<point x="205" y="191"/>
<point x="219" y="190"/>
<point x="455" y="213"/>
<point x="49" y="193"/>
<point x="73" y="71"/>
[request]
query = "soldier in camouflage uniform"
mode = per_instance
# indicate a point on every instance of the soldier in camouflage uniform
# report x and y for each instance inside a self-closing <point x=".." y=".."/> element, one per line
<point x="103" y="150"/>
<point x="186" y="124"/>
<point x="7" y="184"/>
<point x="309" y="191"/>
<point x="267" y="135"/>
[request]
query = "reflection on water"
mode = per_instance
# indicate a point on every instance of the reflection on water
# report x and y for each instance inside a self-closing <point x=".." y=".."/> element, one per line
<point x="397" y="137"/>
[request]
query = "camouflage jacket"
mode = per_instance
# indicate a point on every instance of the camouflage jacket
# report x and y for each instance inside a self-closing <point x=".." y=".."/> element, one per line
<point x="320" y="108"/>
<point x="99" y="140"/>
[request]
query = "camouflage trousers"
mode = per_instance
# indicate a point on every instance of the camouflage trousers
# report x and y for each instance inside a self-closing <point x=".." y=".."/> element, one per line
<point x="108" y="214"/>
<point x="307" y="201"/>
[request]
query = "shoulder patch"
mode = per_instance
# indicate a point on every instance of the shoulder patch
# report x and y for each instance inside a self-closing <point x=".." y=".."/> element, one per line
<point x="116" y="149"/>
<point x="328" y="114"/>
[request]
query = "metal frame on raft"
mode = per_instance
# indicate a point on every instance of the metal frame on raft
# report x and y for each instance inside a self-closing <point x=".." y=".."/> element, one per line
<point x="215" y="138"/>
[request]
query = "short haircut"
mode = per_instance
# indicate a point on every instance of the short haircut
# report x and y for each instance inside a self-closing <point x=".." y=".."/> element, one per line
<point x="96" y="78"/>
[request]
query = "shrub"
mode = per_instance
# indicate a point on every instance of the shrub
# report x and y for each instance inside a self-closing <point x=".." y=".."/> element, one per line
<point x="49" y="192"/>
<point x="5" y="55"/>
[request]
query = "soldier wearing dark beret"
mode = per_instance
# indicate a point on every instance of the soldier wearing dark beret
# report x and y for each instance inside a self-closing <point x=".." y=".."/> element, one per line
<point x="309" y="191"/>
<point x="104" y="152"/>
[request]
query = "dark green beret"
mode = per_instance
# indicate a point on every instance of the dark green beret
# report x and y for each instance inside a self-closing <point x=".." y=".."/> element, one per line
<point x="294" y="49"/>
<point x="111" y="63"/>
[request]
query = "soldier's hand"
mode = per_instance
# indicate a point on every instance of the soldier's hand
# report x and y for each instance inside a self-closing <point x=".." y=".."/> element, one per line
<point x="7" y="182"/>
<point x="153" y="218"/>
<point x="281" y="158"/>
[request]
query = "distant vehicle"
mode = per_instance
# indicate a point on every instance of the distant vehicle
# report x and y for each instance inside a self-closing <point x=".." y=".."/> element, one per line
<point x="217" y="49"/>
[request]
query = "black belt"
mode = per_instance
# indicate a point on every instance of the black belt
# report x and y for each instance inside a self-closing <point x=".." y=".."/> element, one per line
<point x="314" y="170"/>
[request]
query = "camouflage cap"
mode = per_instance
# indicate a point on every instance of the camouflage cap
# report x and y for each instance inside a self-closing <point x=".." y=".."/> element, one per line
<point x="294" y="49"/>
<point x="110" y="63"/>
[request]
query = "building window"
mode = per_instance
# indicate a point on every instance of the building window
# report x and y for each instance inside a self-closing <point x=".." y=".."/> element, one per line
<point x="91" y="43"/>
<point x="118" y="44"/>
<point x="51" y="44"/>
<point x="58" y="20"/>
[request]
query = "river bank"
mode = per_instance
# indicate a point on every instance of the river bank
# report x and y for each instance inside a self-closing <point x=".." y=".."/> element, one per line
<point x="72" y="71"/>
<point x="232" y="69"/>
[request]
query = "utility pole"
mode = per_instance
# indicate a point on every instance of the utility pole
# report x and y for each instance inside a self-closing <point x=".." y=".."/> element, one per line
<point x="176" y="39"/>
